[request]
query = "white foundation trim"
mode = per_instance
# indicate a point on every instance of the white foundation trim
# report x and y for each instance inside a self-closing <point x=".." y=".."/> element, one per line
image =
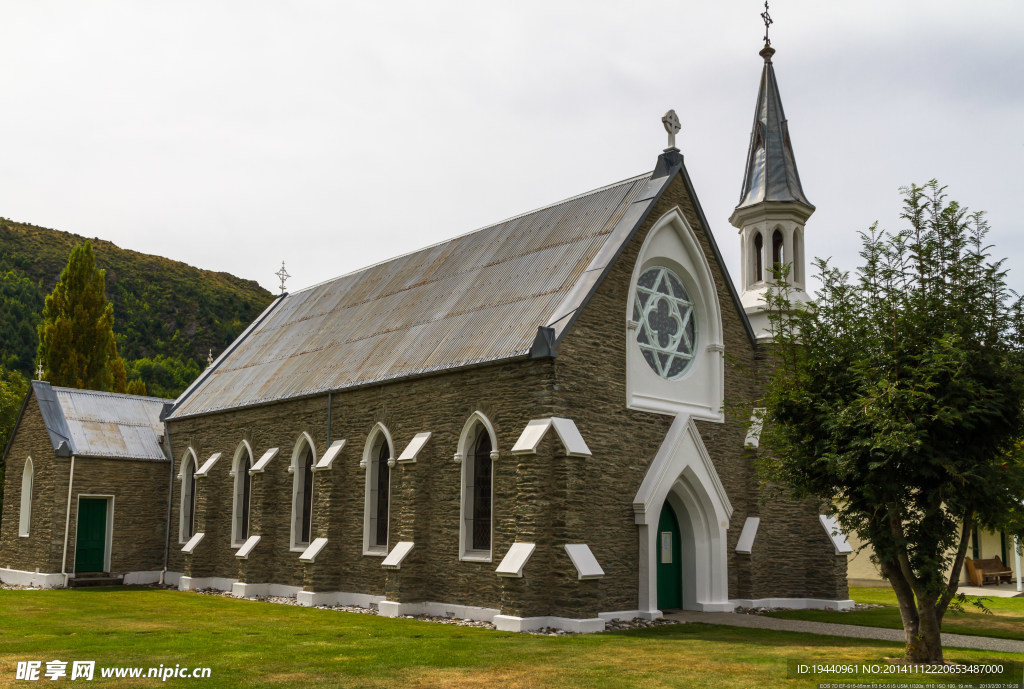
<point x="510" y="623"/>
<point x="311" y="599"/>
<point x="389" y="608"/>
<point x="835" y="534"/>
<point x="397" y="555"/>
<point x="141" y="578"/>
<point x="310" y="553"/>
<point x="794" y="603"/>
<point x="242" y="589"/>
<point x="628" y="615"/>
<point x="172" y="578"/>
<point x="17" y="577"/>
<point x="412" y="450"/>
<point x="195" y="583"/>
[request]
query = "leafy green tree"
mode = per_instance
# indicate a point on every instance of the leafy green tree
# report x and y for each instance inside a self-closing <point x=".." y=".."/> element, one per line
<point x="163" y="376"/>
<point x="136" y="387"/>
<point x="897" y="399"/>
<point x="76" y="337"/>
<point x="12" y="392"/>
<point x="21" y="302"/>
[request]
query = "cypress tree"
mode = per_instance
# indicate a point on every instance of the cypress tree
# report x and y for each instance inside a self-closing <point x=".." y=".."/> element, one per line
<point x="76" y="337"/>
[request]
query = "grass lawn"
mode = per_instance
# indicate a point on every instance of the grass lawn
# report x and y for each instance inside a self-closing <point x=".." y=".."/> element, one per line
<point x="255" y="644"/>
<point x="1006" y="620"/>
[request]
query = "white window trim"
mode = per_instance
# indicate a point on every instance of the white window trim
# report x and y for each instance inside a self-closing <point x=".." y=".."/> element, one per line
<point x="298" y="476"/>
<point x="28" y="476"/>
<point x="238" y="491"/>
<point x="469" y="434"/>
<point x="699" y="392"/>
<point x="190" y="455"/>
<point x="369" y="502"/>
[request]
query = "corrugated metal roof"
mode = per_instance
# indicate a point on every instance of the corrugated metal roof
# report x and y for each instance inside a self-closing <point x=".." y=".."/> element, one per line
<point x="103" y="424"/>
<point x="473" y="299"/>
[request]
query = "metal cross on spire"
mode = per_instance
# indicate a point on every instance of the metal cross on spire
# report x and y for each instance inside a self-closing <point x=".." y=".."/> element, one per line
<point x="671" y="122"/>
<point x="282" y="275"/>
<point x="767" y="22"/>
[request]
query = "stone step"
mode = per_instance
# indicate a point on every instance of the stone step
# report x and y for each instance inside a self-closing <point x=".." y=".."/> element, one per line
<point x="94" y="579"/>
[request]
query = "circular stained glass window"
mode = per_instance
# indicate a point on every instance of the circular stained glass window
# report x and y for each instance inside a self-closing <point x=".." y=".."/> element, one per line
<point x="667" y="331"/>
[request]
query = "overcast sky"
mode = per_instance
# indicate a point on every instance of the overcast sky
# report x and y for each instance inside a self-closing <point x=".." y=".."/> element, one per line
<point x="331" y="135"/>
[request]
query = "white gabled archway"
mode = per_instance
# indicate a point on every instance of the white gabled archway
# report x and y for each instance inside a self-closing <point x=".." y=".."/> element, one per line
<point x="682" y="474"/>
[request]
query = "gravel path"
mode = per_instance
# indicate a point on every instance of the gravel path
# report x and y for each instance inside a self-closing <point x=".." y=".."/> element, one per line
<point x="982" y="643"/>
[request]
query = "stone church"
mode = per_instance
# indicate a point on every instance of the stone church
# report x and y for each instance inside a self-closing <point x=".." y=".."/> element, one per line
<point x="544" y="422"/>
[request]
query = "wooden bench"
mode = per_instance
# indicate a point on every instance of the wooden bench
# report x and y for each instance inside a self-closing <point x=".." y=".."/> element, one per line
<point x="992" y="570"/>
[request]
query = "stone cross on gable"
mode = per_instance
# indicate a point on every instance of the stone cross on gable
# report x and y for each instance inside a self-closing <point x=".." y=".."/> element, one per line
<point x="39" y="370"/>
<point x="671" y="122"/>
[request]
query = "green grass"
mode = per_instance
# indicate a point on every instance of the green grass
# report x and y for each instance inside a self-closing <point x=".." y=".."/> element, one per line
<point x="1006" y="620"/>
<point x="254" y="644"/>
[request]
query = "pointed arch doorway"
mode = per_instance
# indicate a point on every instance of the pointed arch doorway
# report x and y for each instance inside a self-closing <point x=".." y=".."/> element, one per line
<point x="670" y="568"/>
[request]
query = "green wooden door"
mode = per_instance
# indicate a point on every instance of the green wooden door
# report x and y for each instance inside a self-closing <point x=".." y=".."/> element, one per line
<point x="670" y="569"/>
<point x="90" y="549"/>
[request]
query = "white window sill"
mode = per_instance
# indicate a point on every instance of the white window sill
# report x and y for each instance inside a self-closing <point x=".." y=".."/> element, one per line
<point x="476" y="556"/>
<point x="24" y="535"/>
<point x="299" y="548"/>
<point x="376" y="551"/>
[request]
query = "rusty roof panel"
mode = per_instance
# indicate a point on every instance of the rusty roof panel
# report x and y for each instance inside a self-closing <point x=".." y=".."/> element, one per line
<point x="105" y="424"/>
<point x="476" y="298"/>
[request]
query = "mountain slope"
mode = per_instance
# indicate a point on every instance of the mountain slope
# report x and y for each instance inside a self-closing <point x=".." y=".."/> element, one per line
<point x="163" y="309"/>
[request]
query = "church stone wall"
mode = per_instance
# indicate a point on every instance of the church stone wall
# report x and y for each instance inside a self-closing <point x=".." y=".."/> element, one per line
<point x="139" y="488"/>
<point x="425" y="495"/>
<point x="42" y="548"/>
<point x="591" y="371"/>
<point x="140" y="504"/>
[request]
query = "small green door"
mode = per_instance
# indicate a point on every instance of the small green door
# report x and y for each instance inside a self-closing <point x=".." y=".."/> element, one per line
<point x="670" y="568"/>
<point x="90" y="549"/>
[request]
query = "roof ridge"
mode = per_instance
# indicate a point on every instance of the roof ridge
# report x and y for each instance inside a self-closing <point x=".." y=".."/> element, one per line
<point x="627" y="180"/>
<point x="105" y="393"/>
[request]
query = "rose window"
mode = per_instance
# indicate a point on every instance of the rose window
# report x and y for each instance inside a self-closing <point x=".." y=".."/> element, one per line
<point x="667" y="332"/>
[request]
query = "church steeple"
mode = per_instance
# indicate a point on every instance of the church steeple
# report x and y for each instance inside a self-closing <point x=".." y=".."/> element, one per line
<point x="771" y="173"/>
<point x="773" y="207"/>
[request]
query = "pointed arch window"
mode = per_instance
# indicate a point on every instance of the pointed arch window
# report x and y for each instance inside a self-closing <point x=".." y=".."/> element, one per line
<point x="477" y="451"/>
<point x="187" y="522"/>
<point x="28" y="476"/>
<point x="242" y="495"/>
<point x="378" y="458"/>
<point x="778" y="251"/>
<point x="303" y="460"/>
<point x="758" y="257"/>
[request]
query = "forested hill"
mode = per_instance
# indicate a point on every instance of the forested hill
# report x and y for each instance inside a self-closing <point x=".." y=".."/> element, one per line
<point x="166" y="314"/>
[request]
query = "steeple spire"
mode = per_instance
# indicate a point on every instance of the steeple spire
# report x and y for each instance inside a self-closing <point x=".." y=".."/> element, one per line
<point x="773" y="207"/>
<point x="771" y="173"/>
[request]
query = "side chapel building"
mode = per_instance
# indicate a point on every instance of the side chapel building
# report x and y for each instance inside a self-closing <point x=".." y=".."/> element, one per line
<point x="530" y="424"/>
